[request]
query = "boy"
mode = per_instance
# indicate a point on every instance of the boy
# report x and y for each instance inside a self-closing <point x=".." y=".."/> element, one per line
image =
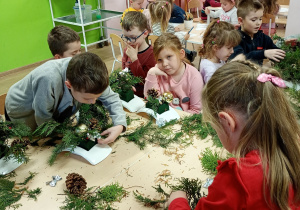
<point x="56" y="89"/>
<point x="63" y="42"/>
<point x="138" y="55"/>
<point x="255" y="45"/>
<point x="135" y="5"/>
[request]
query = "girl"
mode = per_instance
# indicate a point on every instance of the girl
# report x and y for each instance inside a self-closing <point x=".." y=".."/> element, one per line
<point x="218" y="42"/>
<point x="160" y="12"/>
<point x="227" y="13"/>
<point x="247" y="106"/>
<point x="173" y="74"/>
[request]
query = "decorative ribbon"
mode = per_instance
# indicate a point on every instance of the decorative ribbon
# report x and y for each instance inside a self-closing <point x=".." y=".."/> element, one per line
<point x="275" y="80"/>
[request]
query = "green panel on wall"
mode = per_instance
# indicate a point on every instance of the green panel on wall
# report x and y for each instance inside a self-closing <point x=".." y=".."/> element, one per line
<point x="24" y="32"/>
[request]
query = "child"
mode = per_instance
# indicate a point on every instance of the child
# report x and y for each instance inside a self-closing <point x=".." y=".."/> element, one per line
<point x="209" y="3"/>
<point x="63" y="42"/>
<point x="218" y="42"/>
<point x="255" y="45"/>
<point x="172" y="74"/>
<point x="160" y="12"/>
<point x="247" y="106"/>
<point x="56" y="89"/>
<point x="227" y="13"/>
<point x="135" y="5"/>
<point x="138" y="55"/>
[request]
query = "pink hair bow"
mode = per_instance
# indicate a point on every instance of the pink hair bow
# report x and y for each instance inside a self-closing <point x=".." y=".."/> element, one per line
<point x="275" y="80"/>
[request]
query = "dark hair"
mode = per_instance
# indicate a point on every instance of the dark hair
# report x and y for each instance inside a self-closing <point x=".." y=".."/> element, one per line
<point x="135" y="19"/>
<point x="87" y="73"/>
<point x="271" y="125"/>
<point x="59" y="37"/>
<point x="246" y="6"/>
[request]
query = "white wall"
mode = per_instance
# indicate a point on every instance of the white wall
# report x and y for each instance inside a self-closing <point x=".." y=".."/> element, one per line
<point x="293" y="25"/>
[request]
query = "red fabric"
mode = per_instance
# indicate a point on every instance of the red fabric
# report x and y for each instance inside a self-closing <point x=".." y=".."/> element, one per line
<point x="179" y="204"/>
<point x="236" y="188"/>
<point x="140" y="67"/>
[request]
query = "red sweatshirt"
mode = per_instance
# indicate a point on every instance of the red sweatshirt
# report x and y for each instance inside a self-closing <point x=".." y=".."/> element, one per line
<point x="140" y="67"/>
<point x="235" y="188"/>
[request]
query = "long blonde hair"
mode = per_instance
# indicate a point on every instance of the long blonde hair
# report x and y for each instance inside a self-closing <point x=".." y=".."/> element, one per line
<point x="160" y="12"/>
<point x="271" y="125"/>
<point x="218" y="33"/>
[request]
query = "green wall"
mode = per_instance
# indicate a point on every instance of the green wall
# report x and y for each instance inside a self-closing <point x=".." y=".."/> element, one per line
<point x="24" y="26"/>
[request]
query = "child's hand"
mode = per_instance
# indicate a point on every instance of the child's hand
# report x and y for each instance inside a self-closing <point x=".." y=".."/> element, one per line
<point x="112" y="133"/>
<point x="133" y="88"/>
<point x="177" y="29"/>
<point x="275" y="54"/>
<point x="176" y="194"/>
<point x="156" y="71"/>
<point x="132" y="52"/>
<point x="186" y="36"/>
<point x="207" y="11"/>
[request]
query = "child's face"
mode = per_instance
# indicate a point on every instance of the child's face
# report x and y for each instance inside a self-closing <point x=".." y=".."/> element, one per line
<point x="224" y="52"/>
<point x="137" y="4"/>
<point x="73" y="49"/>
<point x="227" y="5"/>
<point x="252" y="22"/>
<point x="170" y="61"/>
<point x="137" y="37"/>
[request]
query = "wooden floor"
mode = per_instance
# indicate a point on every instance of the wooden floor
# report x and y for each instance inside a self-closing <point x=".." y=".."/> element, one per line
<point x="9" y="78"/>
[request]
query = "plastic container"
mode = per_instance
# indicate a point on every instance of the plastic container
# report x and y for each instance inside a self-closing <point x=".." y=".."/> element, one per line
<point x="86" y="11"/>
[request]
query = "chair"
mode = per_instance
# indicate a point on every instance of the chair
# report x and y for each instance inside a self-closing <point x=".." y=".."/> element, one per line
<point x="116" y="40"/>
<point x="151" y="39"/>
<point x="2" y="103"/>
<point x="269" y="19"/>
<point x="197" y="5"/>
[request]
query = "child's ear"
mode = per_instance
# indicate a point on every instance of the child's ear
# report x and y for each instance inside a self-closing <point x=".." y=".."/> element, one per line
<point x="68" y="84"/>
<point x="146" y="33"/>
<point x="182" y="54"/>
<point x="227" y="122"/>
<point x="57" y="56"/>
<point x="240" y="19"/>
<point x="215" y="47"/>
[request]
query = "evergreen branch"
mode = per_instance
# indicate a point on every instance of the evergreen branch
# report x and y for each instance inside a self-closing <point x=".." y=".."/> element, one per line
<point x="27" y="179"/>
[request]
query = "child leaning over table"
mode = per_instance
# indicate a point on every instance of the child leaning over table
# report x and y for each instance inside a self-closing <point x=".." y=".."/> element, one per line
<point x="63" y="42"/>
<point x="56" y="89"/>
<point x="135" y="5"/>
<point x="172" y="73"/>
<point x="138" y="54"/>
<point x="255" y="45"/>
<point x="227" y="13"/>
<point x="247" y="106"/>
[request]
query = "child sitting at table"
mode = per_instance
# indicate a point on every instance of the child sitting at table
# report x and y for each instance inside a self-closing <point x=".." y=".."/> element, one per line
<point x="56" y="89"/>
<point x="64" y="42"/>
<point x="227" y="13"/>
<point x="218" y="42"/>
<point x="160" y="12"/>
<point x="247" y="106"/>
<point x="173" y="74"/>
<point x="138" y="54"/>
<point x="255" y="45"/>
<point x="135" y="5"/>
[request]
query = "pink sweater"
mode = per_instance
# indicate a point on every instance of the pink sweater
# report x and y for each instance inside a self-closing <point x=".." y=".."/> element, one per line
<point x="188" y="90"/>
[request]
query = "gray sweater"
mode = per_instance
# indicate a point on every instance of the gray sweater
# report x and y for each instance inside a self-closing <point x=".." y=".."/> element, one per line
<point x="42" y="95"/>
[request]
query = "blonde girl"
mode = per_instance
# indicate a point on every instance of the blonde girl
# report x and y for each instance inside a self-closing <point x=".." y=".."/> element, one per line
<point x="173" y="74"/>
<point x="247" y="106"/>
<point x="218" y="42"/>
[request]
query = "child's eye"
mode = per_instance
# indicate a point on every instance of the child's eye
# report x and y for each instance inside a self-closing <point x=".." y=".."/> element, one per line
<point x="169" y="56"/>
<point x="159" y="60"/>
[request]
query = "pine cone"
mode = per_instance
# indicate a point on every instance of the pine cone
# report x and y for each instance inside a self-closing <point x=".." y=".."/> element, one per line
<point x="76" y="184"/>
<point x="94" y="123"/>
<point x="152" y="92"/>
<point x="22" y="143"/>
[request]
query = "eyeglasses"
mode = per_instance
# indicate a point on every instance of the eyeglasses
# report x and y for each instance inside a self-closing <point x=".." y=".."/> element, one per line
<point x="132" y="40"/>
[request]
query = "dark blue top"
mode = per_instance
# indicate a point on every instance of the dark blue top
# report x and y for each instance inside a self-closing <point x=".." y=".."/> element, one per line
<point x="177" y="15"/>
<point x="254" y="48"/>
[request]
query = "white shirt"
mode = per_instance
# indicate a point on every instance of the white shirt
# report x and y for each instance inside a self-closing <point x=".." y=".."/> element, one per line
<point x="208" y="68"/>
<point x="230" y="16"/>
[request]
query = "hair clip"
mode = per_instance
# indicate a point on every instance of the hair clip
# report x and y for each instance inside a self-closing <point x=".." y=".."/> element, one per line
<point x="214" y="41"/>
<point x="167" y="3"/>
<point x="275" y="80"/>
<point x="218" y="21"/>
<point x="162" y="6"/>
